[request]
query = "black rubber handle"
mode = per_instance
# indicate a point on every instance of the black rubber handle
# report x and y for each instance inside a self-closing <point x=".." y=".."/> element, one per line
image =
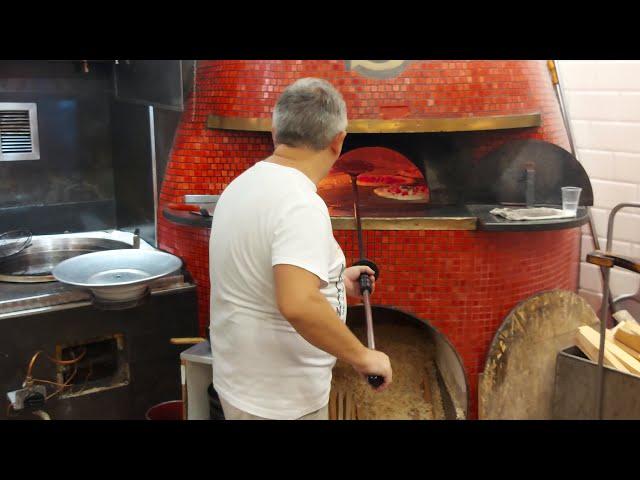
<point x="370" y="264"/>
<point x="365" y="283"/>
<point x="375" y="380"/>
<point x="364" y="280"/>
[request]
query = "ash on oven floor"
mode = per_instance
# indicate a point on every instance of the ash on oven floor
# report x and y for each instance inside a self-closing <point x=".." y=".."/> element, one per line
<point x="412" y="358"/>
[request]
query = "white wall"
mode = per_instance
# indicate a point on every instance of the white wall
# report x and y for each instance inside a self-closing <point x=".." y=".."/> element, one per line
<point x="603" y="101"/>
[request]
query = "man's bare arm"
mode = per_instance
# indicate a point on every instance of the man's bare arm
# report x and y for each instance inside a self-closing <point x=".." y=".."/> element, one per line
<point x="303" y="305"/>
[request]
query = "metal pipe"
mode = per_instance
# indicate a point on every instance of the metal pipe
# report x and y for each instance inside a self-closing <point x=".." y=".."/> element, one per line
<point x="365" y="285"/>
<point x="615" y="210"/>
<point x="604" y="308"/>
<point x="356" y="209"/>
<point x="154" y="173"/>
<point x="604" y="313"/>
<point x="369" y="318"/>
<point x="555" y="79"/>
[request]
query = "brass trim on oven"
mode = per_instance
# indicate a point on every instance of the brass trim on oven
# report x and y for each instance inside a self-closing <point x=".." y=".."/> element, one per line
<point x="407" y="223"/>
<point x="407" y="125"/>
<point x="238" y="123"/>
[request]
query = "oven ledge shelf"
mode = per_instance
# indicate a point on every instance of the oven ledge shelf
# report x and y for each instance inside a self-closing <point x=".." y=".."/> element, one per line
<point x="348" y="223"/>
<point x="469" y="217"/>
<point x="408" y="223"/>
<point x="405" y="125"/>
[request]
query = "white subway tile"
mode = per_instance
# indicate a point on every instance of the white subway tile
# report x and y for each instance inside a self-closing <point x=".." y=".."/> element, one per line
<point x="594" y="105"/>
<point x="577" y="74"/>
<point x="616" y="136"/>
<point x="617" y="75"/>
<point x="619" y="247"/>
<point x="597" y="163"/>
<point x="626" y="167"/>
<point x="626" y="227"/>
<point x="586" y="246"/>
<point x="590" y="277"/>
<point x="609" y="194"/>
<point x="581" y="133"/>
<point x="623" y="282"/>
<point x="600" y="217"/>
<point x="628" y="106"/>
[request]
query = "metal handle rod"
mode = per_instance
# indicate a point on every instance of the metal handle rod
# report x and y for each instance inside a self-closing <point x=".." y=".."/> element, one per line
<point x="369" y="318"/>
<point x="604" y="313"/>
<point x="611" y="217"/>
<point x="555" y="78"/>
<point x="596" y="244"/>
<point x="609" y="246"/>
<point x="374" y="380"/>
<point x="604" y="309"/>
<point x="356" y="209"/>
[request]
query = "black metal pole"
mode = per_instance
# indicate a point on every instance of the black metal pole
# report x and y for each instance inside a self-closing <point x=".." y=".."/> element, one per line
<point x="365" y="284"/>
<point x="604" y="313"/>
<point x="356" y="210"/>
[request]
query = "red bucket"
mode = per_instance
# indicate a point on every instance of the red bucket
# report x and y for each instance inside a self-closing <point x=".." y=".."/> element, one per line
<point x="166" y="411"/>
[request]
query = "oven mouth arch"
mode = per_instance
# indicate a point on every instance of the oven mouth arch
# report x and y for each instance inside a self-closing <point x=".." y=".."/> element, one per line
<point x="391" y="314"/>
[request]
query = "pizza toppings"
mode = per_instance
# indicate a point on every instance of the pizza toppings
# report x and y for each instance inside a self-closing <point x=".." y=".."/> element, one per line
<point x="413" y="173"/>
<point x="404" y="192"/>
<point x="370" y="180"/>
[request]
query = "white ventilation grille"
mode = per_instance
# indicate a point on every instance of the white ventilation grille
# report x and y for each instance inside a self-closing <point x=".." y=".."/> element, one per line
<point x="19" y="132"/>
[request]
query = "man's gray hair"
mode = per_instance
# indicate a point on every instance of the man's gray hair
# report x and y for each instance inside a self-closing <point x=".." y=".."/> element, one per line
<point x="309" y="113"/>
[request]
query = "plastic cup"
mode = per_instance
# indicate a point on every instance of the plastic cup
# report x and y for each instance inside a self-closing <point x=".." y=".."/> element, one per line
<point x="570" y="199"/>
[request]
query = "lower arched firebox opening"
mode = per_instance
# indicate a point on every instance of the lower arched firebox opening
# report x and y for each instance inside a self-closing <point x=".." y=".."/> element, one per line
<point x="429" y="380"/>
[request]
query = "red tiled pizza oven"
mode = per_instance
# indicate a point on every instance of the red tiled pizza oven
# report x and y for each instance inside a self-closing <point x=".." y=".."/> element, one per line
<point x="461" y="282"/>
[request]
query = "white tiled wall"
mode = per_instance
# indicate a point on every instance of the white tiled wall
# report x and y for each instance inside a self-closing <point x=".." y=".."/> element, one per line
<point x="603" y="100"/>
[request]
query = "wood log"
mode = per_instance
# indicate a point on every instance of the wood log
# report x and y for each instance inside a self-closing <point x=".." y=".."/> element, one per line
<point x="630" y="363"/>
<point x="629" y="336"/>
<point x="624" y="316"/>
<point x="588" y="340"/>
<point x="629" y="350"/>
<point x="633" y="327"/>
<point x="611" y="336"/>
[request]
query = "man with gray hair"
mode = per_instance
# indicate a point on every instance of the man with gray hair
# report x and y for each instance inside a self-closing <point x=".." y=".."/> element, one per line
<point x="278" y="277"/>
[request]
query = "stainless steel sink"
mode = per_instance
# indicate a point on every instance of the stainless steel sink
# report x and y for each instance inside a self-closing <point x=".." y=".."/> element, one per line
<point x="35" y="263"/>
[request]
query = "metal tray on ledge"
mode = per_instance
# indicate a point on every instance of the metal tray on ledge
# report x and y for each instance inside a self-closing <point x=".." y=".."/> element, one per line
<point x="117" y="275"/>
<point x="35" y="263"/>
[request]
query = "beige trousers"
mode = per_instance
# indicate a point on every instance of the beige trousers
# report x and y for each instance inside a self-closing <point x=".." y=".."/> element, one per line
<point x="233" y="413"/>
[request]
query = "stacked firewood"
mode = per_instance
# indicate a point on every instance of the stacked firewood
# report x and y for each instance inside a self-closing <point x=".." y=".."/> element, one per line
<point x="622" y="343"/>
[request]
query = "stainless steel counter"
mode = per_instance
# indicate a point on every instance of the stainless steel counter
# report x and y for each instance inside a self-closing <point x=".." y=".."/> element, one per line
<point x="19" y="299"/>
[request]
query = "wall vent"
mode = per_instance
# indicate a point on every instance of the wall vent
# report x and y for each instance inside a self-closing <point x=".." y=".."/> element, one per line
<point x="19" y="132"/>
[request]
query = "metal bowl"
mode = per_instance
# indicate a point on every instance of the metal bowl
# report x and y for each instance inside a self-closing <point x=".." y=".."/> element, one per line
<point x="34" y="263"/>
<point x="117" y="275"/>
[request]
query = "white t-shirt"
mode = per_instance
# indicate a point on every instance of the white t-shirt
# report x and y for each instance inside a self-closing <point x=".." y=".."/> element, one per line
<point x="269" y="215"/>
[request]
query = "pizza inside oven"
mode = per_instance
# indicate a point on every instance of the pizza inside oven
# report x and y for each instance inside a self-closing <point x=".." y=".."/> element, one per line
<point x="373" y="180"/>
<point x="404" y="192"/>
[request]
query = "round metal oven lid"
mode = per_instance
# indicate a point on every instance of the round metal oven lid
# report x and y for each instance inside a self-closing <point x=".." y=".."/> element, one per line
<point x="116" y="275"/>
<point x="13" y="242"/>
<point x="34" y="264"/>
